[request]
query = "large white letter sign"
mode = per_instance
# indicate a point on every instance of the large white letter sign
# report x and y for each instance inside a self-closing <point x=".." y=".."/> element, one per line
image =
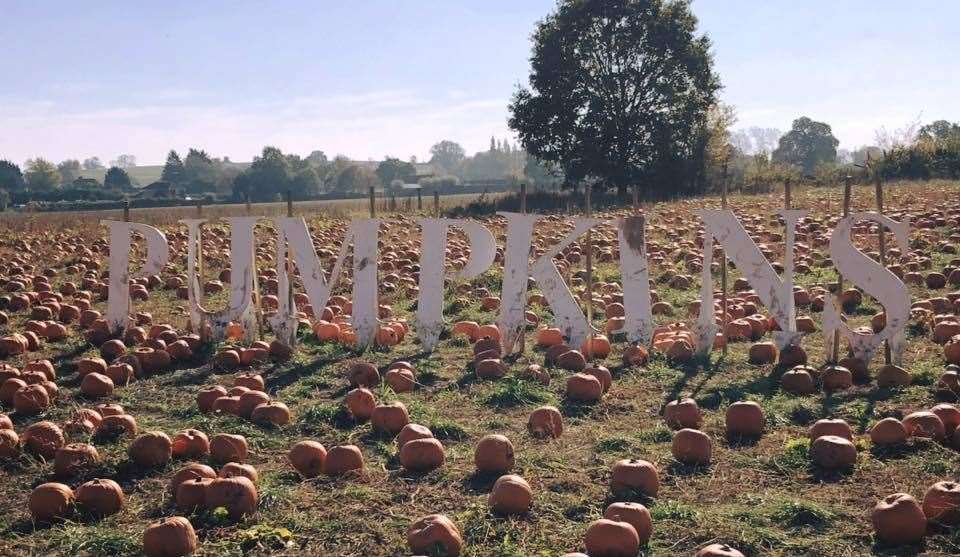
<point x="295" y="235"/>
<point x="774" y="293"/>
<point x="875" y="280"/>
<point x="483" y="250"/>
<point x="158" y="253"/>
<point x="638" y="317"/>
<point x="242" y="280"/>
<point x="513" y="296"/>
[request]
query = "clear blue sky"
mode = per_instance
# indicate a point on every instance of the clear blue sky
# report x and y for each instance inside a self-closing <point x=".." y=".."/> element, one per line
<point x="376" y="77"/>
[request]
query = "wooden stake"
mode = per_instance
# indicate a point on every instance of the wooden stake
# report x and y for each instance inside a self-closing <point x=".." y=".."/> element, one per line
<point x="436" y="203"/>
<point x="199" y="209"/>
<point x="126" y="210"/>
<point x="523" y="198"/>
<point x="636" y="198"/>
<point x="420" y="199"/>
<point x="882" y="239"/>
<point x="835" y="354"/>
<point x="723" y="275"/>
<point x="247" y="201"/>
<point x="373" y="202"/>
<point x="588" y="209"/>
<point x="523" y="330"/>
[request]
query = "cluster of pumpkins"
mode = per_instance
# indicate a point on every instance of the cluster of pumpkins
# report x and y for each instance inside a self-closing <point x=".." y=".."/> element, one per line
<point x="247" y="398"/>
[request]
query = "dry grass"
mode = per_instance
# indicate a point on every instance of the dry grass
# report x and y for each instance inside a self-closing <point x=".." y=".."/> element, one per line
<point x="762" y="497"/>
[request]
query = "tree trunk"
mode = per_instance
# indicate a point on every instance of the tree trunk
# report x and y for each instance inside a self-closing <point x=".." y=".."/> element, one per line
<point x="621" y="190"/>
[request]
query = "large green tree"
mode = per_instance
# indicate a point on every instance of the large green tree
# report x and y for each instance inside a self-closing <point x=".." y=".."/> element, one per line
<point x="117" y="178"/>
<point x="267" y="179"/>
<point x="395" y="169"/>
<point x="69" y="171"/>
<point x="11" y="178"/>
<point x="42" y="175"/>
<point x="807" y="145"/>
<point x="173" y="170"/>
<point x="447" y="155"/>
<point x="619" y="89"/>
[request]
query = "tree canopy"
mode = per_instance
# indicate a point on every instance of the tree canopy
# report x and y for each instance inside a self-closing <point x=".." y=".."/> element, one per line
<point x="807" y="145"/>
<point x="42" y="175"/>
<point x="619" y="89"/>
<point x="395" y="169"/>
<point x="11" y="178"/>
<point x="117" y="178"/>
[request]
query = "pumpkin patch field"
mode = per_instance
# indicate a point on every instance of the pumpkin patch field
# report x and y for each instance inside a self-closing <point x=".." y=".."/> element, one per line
<point x="158" y="440"/>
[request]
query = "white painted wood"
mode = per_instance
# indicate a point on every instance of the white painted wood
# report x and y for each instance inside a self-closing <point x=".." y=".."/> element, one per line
<point x="158" y="255"/>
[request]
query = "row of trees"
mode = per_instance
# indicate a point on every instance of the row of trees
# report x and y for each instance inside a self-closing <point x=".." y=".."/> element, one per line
<point x="43" y="177"/>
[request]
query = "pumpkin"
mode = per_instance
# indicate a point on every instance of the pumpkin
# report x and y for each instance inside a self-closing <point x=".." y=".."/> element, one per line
<point x="9" y="444"/>
<point x="360" y="403"/>
<point x="111" y="349"/>
<point x="924" y="424"/>
<point x="634" y="514"/>
<point x="597" y="346"/>
<point x="899" y="520"/>
<point x="572" y="360"/>
<point x="30" y="399"/>
<point x="74" y="459"/>
<point x="858" y="368"/>
<point x="252" y="381"/>
<point x="250" y="400"/>
<point x="888" y="431"/>
<point x="225" y="447"/>
<point x="101" y="497"/>
<point x="832" y="452"/>
<point x="692" y="446"/>
<point x="583" y="387"/>
<point x="96" y="385"/>
<point x="116" y="425"/>
<point x="545" y="421"/>
<point x="109" y="409"/>
<point x="237" y="494"/>
<point x="836" y="378"/>
<point x="91" y="365"/>
<point x="635" y="355"/>
<point x="236" y="470"/>
<point x="602" y="374"/>
<point x="9" y="389"/>
<point x="119" y="374"/>
<point x="50" y="500"/>
<point x="435" y="534"/>
<point x="207" y="395"/>
<point x="411" y="432"/>
<point x="191" y="471"/>
<point x="549" y="337"/>
<point x="762" y="353"/>
<point x="837" y="427"/>
<point x="273" y="413"/>
<point x="400" y="380"/>
<point x="42" y="439"/>
<point x="490" y="368"/>
<point x="363" y="374"/>
<point x="744" y="418"/>
<point x="634" y="475"/>
<point x="683" y="413"/>
<point x="941" y="503"/>
<point x="190" y="443"/>
<point x="191" y="494"/>
<point x="5" y="422"/>
<point x="511" y="494"/>
<point x="226" y="359"/>
<point x="390" y="417"/>
<point x="468" y="329"/>
<point x="891" y="376"/>
<point x="44" y="366"/>
<point x="227" y="405"/>
<point x="307" y="458"/>
<point x="718" y="550"/>
<point x="611" y="538"/>
<point x="151" y="449"/>
<point x="534" y="372"/>
<point x="949" y="415"/>
<point x="421" y="455"/>
<point x="170" y="537"/>
<point x="343" y="459"/>
<point x="798" y="381"/>
<point x="493" y="454"/>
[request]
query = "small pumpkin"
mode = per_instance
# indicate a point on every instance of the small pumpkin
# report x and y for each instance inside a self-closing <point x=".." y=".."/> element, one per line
<point x="170" y="537"/>
<point x="718" y="550"/>
<point x="511" y="494"/>
<point x="400" y="380"/>
<point x="207" y="395"/>
<point x="390" y="417"/>
<point x="798" y="381"/>
<point x="363" y="374"/>
<point x="151" y="449"/>
<point x="361" y="403"/>
<point x="836" y="378"/>
<point x="422" y="455"/>
<point x="75" y="458"/>
<point x="888" y="432"/>
<point x="236" y="469"/>
<point x="745" y="418"/>
<point x="343" y="459"/>
<point x="190" y="443"/>
<point x="435" y="534"/>
<point x="50" y="500"/>
<point x="42" y="439"/>
<point x="250" y="400"/>
<point x="634" y="514"/>
<point x="493" y="454"/>
<point x="194" y="470"/>
<point x="611" y="538"/>
<point x="545" y="421"/>
<point x="692" y="446"/>
<point x="899" y="520"/>
<point x="832" y="452"/>
<point x="237" y="494"/>
<point x="9" y="444"/>
<point x="226" y="447"/>
<point x="582" y="387"/>
<point x="634" y="475"/>
<point x="273" y="413"/>
<point x="836" y="427"/>
<point x="411" y="432"/>
<point x="683" y="413"/>
<point x="30" y="399"/>
<point x="191" y="494"/>
<point x="924" y="424"/>
<point x="116" y="425"/>
<point x="96" y="385"/>
<point x="307" y="457"/>
<point x="101" y="497"/>
<point x="941" y="503"/>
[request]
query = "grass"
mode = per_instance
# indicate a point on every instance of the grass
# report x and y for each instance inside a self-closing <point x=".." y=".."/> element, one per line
<point x="762" y="496"/>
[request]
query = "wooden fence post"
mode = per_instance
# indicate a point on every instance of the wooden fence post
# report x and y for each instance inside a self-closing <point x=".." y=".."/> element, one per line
<point x="847" y="184"/>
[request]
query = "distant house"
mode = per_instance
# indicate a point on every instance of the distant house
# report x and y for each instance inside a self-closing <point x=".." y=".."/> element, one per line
<point x="160" y="190"/>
